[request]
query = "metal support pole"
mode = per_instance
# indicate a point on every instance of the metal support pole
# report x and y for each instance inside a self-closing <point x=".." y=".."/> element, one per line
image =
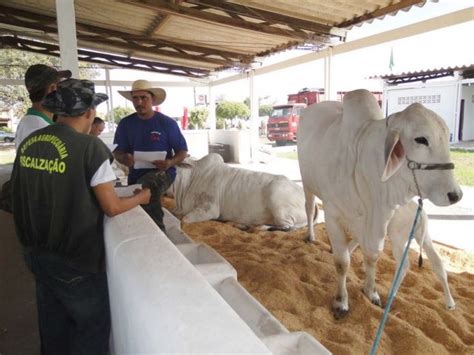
<point x="212" y="109"/>
<point x="328" y="90"/>
<point x="110" y="102"/>
<point x="67" y="36"/>
<point x="254" y="119"/>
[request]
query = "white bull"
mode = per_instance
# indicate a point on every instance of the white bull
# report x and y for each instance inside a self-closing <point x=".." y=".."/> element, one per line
<point x="208" y="189"/>
<point x="357" y="164"/>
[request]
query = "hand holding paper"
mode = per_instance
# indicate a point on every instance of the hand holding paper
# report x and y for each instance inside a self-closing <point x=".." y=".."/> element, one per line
<point x="162" y="165"/>
<point x="144" y="160"/>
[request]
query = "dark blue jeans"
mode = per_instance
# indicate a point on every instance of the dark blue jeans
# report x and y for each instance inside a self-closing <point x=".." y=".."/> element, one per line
<point x="73" y="307"/>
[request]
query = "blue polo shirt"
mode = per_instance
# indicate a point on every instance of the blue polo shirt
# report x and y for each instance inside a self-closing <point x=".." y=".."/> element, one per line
<point x="159" y="133"/>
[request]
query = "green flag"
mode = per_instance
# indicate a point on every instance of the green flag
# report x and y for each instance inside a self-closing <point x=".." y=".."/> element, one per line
<point x="392" y="63"/>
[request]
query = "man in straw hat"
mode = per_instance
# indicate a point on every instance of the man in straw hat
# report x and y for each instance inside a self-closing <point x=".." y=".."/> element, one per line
<point x="62" y="186"/>
<point x="149" y="131"/>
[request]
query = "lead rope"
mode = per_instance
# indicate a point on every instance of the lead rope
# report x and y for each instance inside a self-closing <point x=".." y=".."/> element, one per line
<point x="396" y="281"/>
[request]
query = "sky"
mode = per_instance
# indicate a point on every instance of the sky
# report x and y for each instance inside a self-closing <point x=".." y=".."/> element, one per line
<point x="435" y="49"/>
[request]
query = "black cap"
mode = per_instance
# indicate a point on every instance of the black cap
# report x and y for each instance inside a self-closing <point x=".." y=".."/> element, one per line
<point x="73" y="97"/>
<point x="39" y="76"/>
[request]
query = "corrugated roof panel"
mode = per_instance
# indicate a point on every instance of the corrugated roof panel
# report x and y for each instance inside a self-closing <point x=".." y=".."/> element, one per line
<point x="114" y="15"/>
<point x="204" y="34"/>
<point x="197" y="33"/>
<point x="423" y="75"/>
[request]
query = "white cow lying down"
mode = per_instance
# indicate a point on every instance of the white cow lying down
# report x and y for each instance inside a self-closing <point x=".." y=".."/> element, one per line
<point x="398" y="231"/>
<point x="208" y="189"/>
<point x="362" y="167"/>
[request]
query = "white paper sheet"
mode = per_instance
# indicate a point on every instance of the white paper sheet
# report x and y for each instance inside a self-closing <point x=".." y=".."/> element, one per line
<point x="143" y="159"/>
<point x="112" y="146"/>
<point x="127" y="191"/>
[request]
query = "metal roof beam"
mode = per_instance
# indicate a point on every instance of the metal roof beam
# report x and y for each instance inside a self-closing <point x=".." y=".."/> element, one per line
<point x="264" y="16"/>
<point x="422" y="77"/>
<point x="183" y="11"/>
<point x="47" y="24"/>
<point x="101" y="58"/>
<point x="121" y="83"/>
<point x="136" y="47"/>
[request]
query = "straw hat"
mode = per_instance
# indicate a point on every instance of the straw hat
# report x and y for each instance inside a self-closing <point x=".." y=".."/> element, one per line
<point x="159" y="95"/>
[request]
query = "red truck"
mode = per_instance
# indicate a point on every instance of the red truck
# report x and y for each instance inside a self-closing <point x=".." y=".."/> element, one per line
<point x="283" y="122"/>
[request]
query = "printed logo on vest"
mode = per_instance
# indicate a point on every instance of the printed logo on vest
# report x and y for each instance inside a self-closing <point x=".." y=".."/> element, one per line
<point x="50" y="165"/>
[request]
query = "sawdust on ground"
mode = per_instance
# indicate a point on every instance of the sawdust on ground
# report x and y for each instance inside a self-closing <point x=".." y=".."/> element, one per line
<point x="296" y="282"/>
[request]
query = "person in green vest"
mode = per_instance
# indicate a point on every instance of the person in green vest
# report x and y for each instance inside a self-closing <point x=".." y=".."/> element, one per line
<point x="40" y="80"/>
<point x="62" y="185"/>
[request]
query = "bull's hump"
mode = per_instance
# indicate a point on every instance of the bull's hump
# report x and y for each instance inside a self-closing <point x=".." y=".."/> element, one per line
<point x="212" y="159"/>
<point x="359" y="106"/>
<point x="316" y="119"/>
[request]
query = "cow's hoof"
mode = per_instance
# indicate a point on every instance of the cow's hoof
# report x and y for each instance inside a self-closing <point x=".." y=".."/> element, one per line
<point x="373" y="297"/>
<point x="376" y="301"/>
<point x="339" y="312"/>
<point x="309" y="240"/>
<point x="340" y="308"/>
<point x="242" y="227"/>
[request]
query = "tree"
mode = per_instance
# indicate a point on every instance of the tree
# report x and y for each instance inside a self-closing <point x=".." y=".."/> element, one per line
<point x="13" y="65"/>
<point x="119" y="113"/>
<point x="265" y="110"/>
<point x="231" y="110"/>
<point x="220" y="122"/>
<point x="198" y="117"/>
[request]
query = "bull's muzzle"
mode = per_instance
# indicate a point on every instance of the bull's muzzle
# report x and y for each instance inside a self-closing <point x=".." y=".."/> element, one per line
<point x="454" y="197"/>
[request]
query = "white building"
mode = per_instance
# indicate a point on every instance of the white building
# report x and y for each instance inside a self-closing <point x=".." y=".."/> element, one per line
<point x="451" y="97"/>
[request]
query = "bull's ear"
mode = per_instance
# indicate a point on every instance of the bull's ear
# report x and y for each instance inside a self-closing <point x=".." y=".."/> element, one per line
<point x="394" y="154"/>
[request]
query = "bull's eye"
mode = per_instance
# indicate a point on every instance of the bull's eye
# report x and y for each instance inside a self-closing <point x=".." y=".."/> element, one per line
<point x="421" y="140"/>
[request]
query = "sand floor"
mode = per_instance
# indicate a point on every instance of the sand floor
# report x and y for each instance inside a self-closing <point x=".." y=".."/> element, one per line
<point x="296" y="282"/>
